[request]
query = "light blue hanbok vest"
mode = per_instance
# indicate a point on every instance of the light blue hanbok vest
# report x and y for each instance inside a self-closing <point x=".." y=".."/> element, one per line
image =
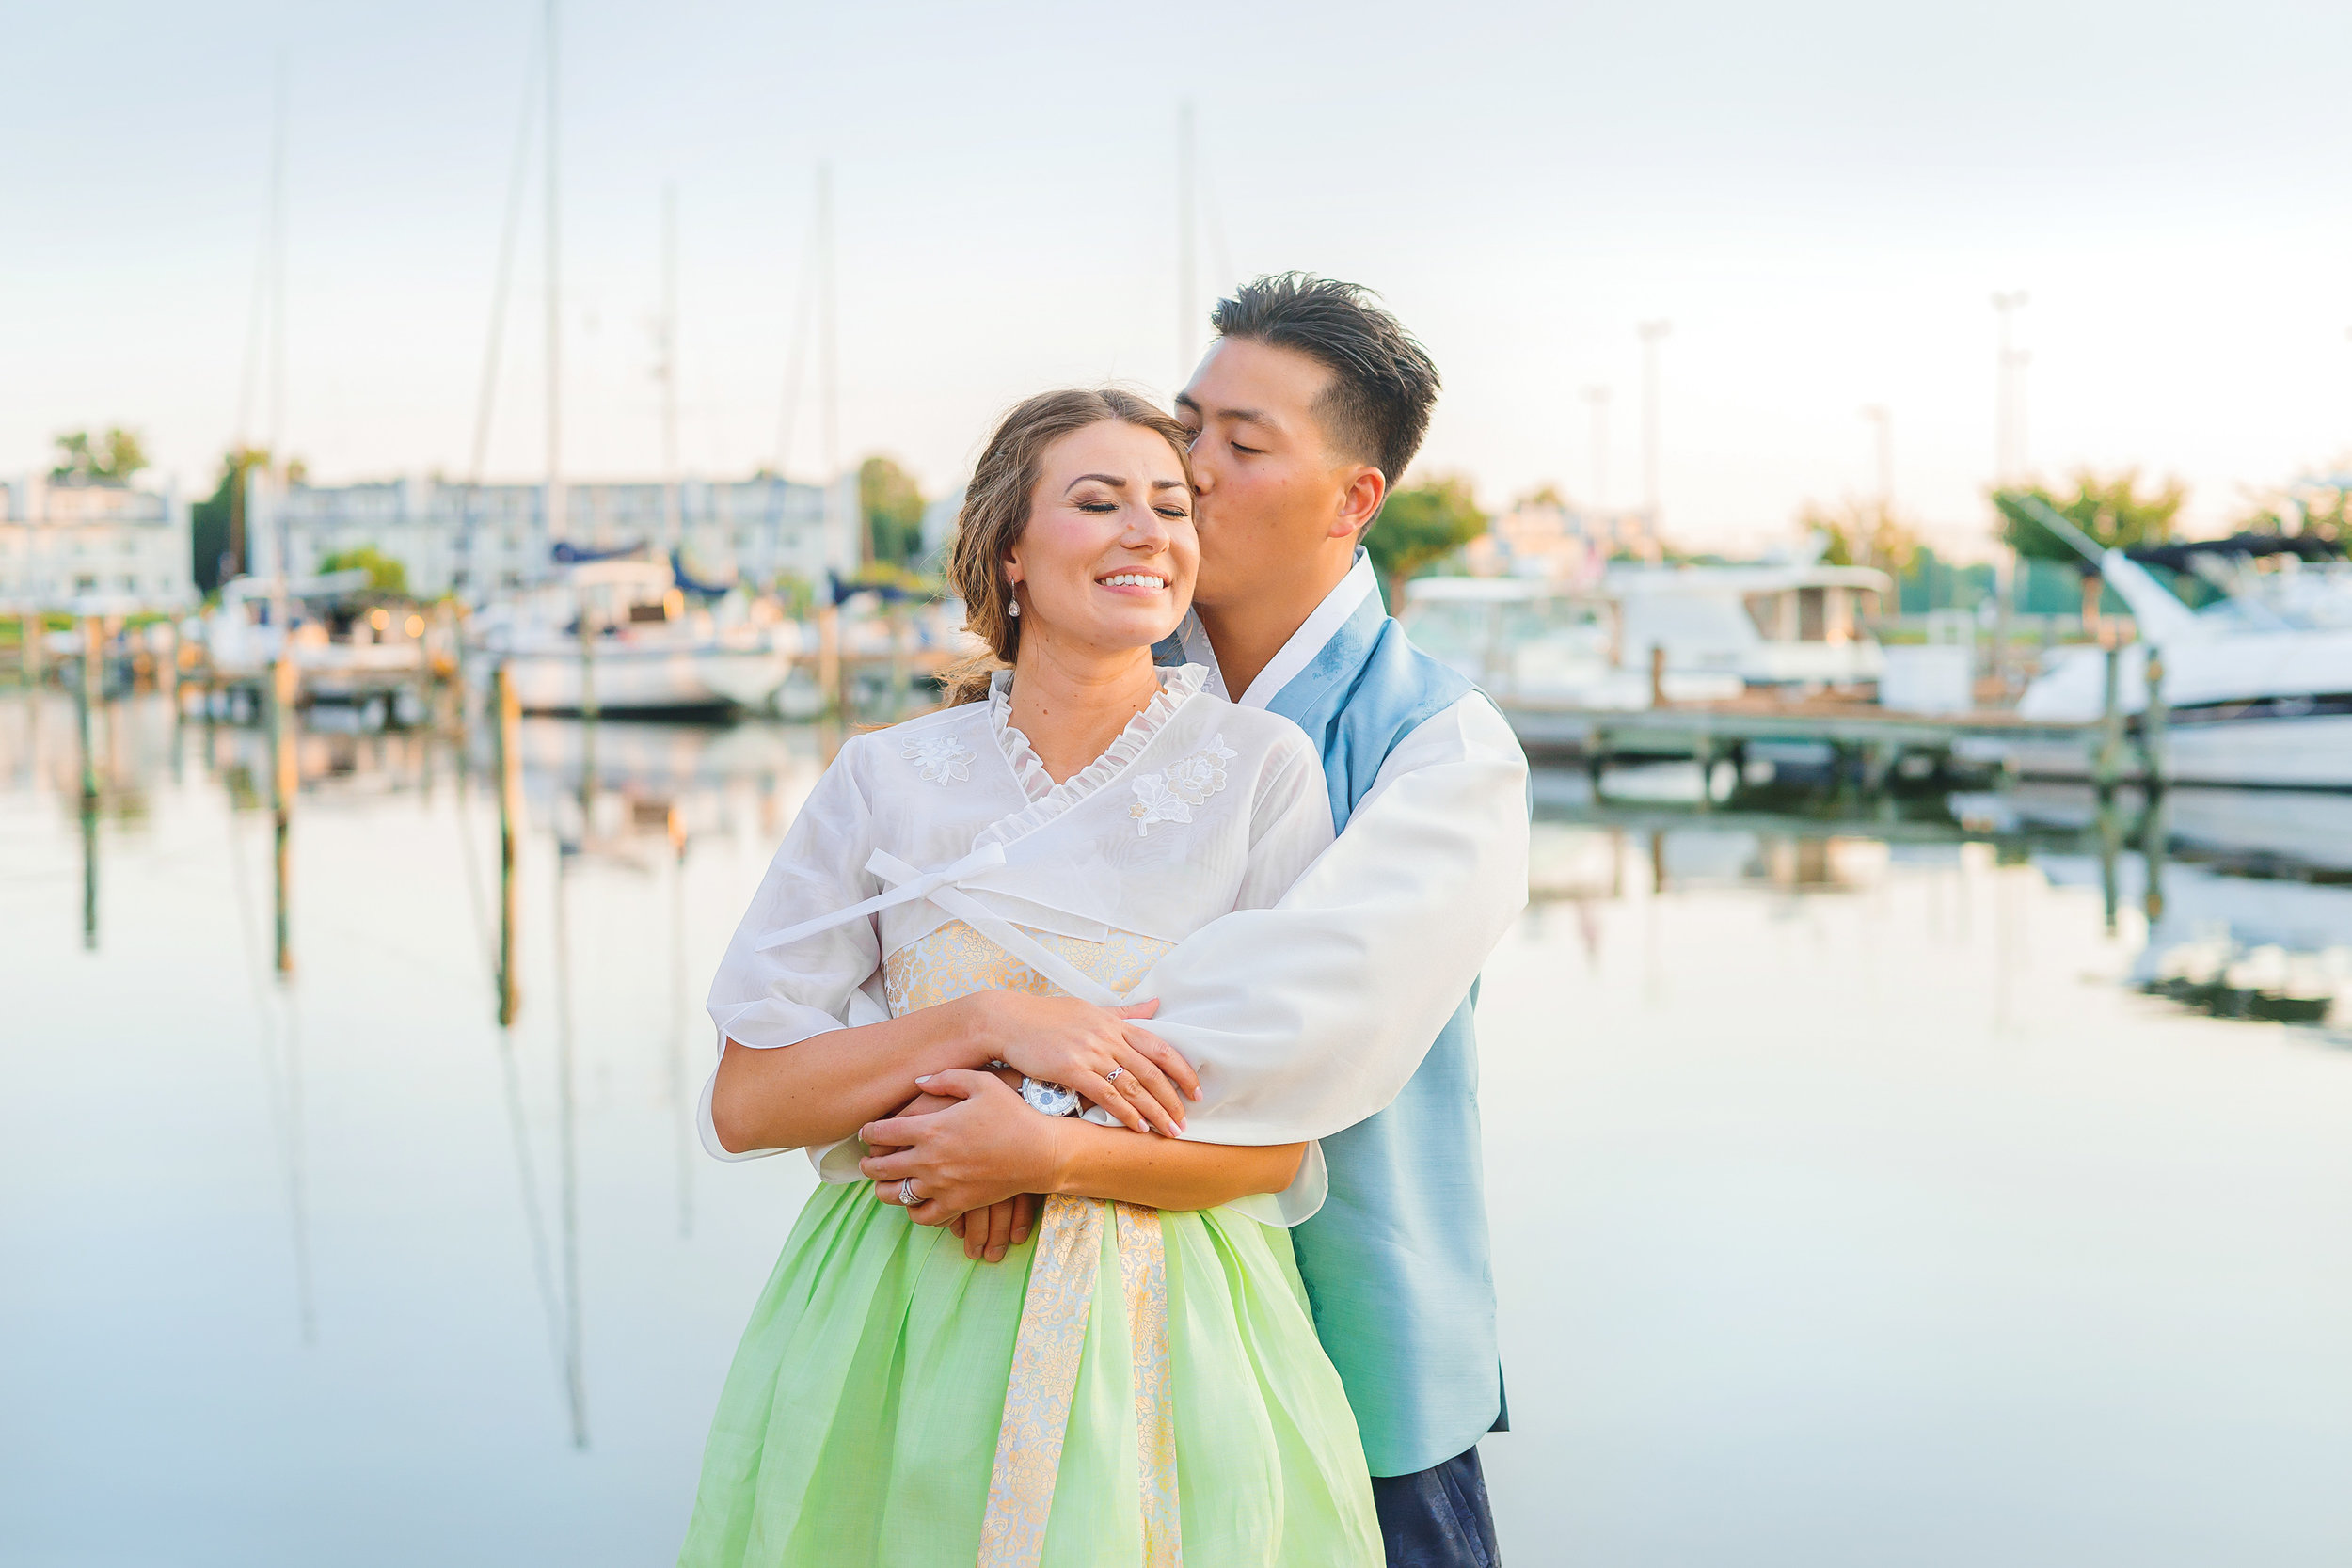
<point x="1396" y="1262"/>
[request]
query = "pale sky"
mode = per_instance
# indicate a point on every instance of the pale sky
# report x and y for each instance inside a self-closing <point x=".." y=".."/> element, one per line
<point x="1819" y="196"/>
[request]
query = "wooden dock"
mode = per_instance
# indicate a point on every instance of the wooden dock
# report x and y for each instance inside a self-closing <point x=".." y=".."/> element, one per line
<point x="1865" y="741"/>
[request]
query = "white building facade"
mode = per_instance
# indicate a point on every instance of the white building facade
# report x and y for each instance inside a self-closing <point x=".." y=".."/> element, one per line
<point x="102" y="547"/>
<point x="480" y="541"/>
<point x="1561" y="543"/>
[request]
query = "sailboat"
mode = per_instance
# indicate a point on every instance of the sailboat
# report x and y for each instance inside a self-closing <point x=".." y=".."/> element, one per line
<point x="609" y="629"/>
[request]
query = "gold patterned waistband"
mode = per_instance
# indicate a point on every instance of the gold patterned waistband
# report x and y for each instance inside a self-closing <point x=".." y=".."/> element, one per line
<point x="1045" y="1361"/>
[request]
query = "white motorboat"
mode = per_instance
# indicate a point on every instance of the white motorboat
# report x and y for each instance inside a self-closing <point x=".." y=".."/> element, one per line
<point x="616" y="636"/>
<point x="1523" y="640"/>
<point x="2258" y="687"/>
<point x="1722" y="630"/>
<point x="1769" y="624"/>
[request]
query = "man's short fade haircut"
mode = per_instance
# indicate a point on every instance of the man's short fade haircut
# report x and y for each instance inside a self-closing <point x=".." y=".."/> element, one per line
<point x="1383" y="383"/>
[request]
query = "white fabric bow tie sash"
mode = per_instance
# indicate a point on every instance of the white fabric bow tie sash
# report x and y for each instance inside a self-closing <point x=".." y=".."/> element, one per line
<point x="943" y="887"/>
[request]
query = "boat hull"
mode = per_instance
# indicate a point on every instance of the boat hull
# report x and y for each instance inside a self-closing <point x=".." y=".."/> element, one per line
<point x="2307" y="751"/>
<point x="645" y="680"/>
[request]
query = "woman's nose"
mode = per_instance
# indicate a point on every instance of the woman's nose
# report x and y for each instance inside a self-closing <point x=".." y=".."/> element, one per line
<point x="1146" y="529"/>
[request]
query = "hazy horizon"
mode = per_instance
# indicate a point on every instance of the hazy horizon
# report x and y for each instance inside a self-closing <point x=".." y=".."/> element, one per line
<point x="1820" y="202"/>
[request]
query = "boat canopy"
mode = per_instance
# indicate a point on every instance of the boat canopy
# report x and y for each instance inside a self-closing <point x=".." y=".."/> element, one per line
<point x="2177" y="557"/>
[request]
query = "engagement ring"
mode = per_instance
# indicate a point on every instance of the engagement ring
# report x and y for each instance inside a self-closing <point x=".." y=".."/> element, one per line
<point x="906" y="1193"/>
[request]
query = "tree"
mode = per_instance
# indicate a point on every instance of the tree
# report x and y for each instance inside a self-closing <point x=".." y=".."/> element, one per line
<point x="2317" y="511"/>
<point x="2112" y="512"/>
<point x="108" y="459"/>
<point x="893" y="510"/>
<point x="1419" y="525"/>
<point x="1862" y="534"/>
<point x="215" y="524"/>
<point x="385" y="576"/>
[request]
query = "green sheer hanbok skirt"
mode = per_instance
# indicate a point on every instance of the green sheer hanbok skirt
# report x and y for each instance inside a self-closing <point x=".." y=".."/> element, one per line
<point x="1130" y="1386"/>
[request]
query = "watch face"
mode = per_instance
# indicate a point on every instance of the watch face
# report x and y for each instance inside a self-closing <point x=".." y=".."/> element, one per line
<point x="1052" y="1099"/>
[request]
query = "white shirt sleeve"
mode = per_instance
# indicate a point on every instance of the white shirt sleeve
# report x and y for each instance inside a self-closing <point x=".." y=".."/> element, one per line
<point x="1308" y="1017"/>
<point x="783" y="996"/>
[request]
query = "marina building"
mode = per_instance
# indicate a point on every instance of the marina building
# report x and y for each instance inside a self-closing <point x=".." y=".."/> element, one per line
<point x="1562" y="542"/>
<point x="477" y="540"/>
<point x="109" y="546"/>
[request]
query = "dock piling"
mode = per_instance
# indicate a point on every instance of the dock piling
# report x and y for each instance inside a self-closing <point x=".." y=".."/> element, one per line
<point x="88" y="695"/>
<point x="284" y="778"/>
<point x="2106" y="764"/>
<point x="2153" y="719"/>
<point x="508" y="710"/>
<point x="831" y="678"/>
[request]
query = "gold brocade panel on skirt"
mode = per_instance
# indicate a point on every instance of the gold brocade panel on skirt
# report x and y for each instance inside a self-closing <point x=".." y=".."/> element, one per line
<point x="955" y="960"/>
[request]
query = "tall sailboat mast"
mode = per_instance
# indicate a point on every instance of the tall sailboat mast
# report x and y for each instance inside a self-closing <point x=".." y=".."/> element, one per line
<point x="1186" y="289"/>
<point x="558" y="516"/>
<point x="281" y="541"/>
<point x="672" y="525"/>
<point x="828" y="370"/>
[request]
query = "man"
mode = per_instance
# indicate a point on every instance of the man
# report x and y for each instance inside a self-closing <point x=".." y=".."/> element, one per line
<point x="1311" y="401"/>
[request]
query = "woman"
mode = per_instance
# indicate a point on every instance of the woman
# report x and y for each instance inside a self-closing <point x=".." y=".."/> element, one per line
<point x="1140" y="1382"/>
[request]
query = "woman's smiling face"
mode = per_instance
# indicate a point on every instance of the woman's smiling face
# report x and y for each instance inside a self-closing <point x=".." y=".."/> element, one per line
<point x="1109" y="555"/>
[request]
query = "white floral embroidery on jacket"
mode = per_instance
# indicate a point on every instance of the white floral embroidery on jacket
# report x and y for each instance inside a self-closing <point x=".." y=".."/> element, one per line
<point x="942" y="759"/>
<point x="1170" y="796"/>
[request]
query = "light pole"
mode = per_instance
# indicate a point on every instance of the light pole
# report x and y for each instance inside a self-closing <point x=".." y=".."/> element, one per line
<point x="1598" y="398"/>
<point x="1884" y="416"/>
<point x="2009" y="463"/>
<point x="2008" y="422"/>
<point x="1650" y="333"/>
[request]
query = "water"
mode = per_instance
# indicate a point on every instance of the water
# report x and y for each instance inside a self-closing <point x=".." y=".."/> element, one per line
<point x="1851" y="1205"/>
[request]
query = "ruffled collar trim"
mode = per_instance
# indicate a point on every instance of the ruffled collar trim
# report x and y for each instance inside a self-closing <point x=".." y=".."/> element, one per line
<point x="1179" y="685"/>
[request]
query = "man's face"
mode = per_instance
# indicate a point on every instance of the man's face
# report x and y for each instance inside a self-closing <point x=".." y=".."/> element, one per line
<point x="1270" y="489"/>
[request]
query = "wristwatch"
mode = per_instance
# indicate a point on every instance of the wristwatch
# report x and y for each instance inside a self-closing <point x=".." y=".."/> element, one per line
<point x="1052" y="1099"/>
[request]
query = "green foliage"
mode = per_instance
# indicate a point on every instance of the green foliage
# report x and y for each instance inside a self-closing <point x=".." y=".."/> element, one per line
<point x="211" y="520"/>
<point x="2320" y="511"/>
<point x="1419" y="525"/>
<point x="1862" y="534"/>
<point x="795" y="592"/>
<point x="385" y="575"/>
<point x="2115" y="512"/>
<point x="893" y="510"/>
<point x="108" y="459"/>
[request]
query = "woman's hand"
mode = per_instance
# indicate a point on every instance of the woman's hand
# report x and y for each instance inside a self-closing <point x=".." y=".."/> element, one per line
<point x="986" y="1233"/>
<point x="1103" y="1054"/>
<point x="988" y="1148"/>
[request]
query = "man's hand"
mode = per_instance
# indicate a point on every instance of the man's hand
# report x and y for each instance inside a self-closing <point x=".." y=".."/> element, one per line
<point x="986" y="1149"/>
<point x="1111" y="1060"/>
<point x="988" y="1232"/>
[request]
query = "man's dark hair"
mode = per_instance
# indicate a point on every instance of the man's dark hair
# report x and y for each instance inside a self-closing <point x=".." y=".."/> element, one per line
<point x="1383" y="383"/>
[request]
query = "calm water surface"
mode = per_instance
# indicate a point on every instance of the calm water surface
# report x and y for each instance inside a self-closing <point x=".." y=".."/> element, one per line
<point x="1851" y="1205"/>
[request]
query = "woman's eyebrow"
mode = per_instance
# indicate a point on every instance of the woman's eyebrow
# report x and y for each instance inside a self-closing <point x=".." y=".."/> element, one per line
<point x="1170" y="484"/>
<point x="1112" y="481"/>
